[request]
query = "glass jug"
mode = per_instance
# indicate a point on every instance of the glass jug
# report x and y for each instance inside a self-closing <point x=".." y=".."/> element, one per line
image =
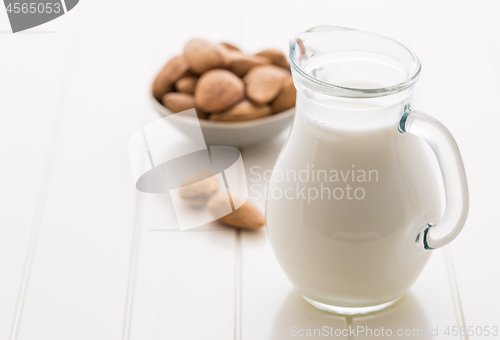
<point x="354" y="206"/>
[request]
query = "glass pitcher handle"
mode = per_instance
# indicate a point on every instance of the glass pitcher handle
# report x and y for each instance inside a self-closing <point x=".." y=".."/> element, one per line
<point x="437" y="136"/>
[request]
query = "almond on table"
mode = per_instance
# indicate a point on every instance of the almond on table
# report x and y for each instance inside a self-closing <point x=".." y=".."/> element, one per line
<point x="197" y="189"/>
<point x="247" y="216"/>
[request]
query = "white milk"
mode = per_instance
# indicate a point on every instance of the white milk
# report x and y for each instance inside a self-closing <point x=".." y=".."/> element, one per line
<point x="356" y="247"/>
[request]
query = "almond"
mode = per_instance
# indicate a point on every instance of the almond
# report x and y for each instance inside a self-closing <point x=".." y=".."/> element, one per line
<point x="197" y="189"/>
<point x="230" y="47"/>
<point x="201" y="114"/>
<point x="247" y="216"/>
<point x="202" y="55"/>
<point x="186" y="84"/>
<point x="264" y="83"/>
<point x="276" y="57"/>
<point x="240" y="63"/>
<point x="286" y="98"/>
<point x="218" y="90"/>
<point x="174" y="69"/>
<point x="244" y="110"/>
<point x="178" y="102"/>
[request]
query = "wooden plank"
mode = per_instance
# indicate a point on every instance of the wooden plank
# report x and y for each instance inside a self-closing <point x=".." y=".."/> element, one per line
<point x="78" y="281"/>
<point x="424" y="312"/>
<point x="185" y="279"/>
<point x="458" y="86"/>
<point x="32" y="90"/>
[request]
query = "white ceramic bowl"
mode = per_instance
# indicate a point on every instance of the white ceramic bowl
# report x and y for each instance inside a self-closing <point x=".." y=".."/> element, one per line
<point x="237" y="134"/>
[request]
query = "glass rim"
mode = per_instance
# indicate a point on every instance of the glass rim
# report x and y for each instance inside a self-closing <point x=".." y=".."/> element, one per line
<point x="352" y="92"/>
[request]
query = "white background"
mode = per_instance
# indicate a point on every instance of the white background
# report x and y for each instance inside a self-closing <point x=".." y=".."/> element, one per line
<point x="78" y="257"/>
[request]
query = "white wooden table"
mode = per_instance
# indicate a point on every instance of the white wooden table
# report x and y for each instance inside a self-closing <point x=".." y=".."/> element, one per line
<point x="78" y="257"/>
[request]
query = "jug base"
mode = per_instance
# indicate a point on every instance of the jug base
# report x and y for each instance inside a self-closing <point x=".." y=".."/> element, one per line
<point x="350" y="310"/>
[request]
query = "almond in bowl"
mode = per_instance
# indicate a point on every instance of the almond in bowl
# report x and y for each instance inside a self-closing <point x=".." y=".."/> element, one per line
<point x="240" y="99"/>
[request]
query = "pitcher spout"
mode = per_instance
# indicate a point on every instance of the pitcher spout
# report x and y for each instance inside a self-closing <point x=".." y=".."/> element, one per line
<point x="348" y="63"/>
